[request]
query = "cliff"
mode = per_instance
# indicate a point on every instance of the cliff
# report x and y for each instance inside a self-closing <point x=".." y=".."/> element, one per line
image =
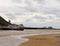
<point x="3" y="22"/>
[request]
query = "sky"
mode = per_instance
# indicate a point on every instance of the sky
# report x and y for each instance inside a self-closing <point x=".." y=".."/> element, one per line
<point x="34" y="13"/>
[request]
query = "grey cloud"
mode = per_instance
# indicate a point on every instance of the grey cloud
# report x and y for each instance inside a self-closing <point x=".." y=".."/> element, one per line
<point x="8" y="13"/>
<point x="29" y="20"/>
<point x="40" y="1"/>
<point x="52" y="11"/>
<point x="50" y="17"/>
<point x="58" y="0"/>
<point x="17" y="1"/>
<point x="21" y="10"/>
<point x="31" y="9"/>
<point x="39" y="17"/>
<point x="11" y="16"/>
<point x="11" y="12"/>
<point x="47" y="10"/>
<point x="28" y="2"/>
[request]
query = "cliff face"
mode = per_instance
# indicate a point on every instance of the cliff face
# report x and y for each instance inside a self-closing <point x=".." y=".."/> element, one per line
<point x="3" y="22"/>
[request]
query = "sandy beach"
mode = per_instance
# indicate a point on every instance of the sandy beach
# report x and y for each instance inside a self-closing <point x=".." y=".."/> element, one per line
<point x="43" y="40"/>
<point x="16" y="38"/>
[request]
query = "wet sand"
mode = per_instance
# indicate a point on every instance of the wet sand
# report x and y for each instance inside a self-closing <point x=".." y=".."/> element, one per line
<point x="43" y="40"/>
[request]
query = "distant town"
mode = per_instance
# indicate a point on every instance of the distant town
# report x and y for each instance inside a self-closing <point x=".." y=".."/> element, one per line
<point x="4" y="25"/>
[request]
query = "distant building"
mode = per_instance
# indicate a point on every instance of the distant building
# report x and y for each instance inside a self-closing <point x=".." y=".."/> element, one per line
<point x="7" y="25"/>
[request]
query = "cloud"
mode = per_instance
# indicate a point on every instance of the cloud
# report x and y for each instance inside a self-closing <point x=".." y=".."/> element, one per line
<point x="33" y="12"/>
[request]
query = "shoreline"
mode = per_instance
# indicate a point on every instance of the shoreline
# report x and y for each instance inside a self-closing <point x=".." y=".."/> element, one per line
<point x="42" y="40"/>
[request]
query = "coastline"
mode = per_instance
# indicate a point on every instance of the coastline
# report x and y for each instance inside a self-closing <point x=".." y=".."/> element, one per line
<point x="43" y="40"/>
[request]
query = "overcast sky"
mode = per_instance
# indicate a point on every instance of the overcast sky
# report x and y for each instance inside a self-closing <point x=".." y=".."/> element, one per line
<point x="36" y="13"/>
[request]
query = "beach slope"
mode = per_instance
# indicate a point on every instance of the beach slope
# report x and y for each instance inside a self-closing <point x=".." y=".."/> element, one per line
<point x="43" y="40"/>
